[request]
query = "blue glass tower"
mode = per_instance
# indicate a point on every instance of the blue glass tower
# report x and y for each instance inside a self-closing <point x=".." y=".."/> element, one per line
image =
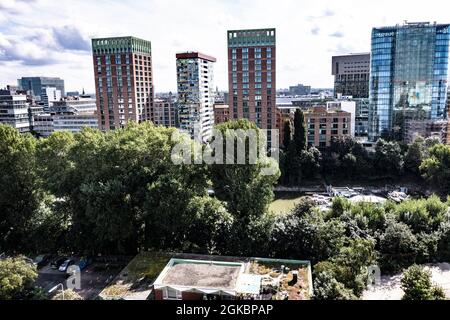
<point x="409" y="74"/>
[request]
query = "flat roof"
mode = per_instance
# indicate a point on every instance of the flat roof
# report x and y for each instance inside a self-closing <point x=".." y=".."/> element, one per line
<point x="195" y="55"/>
<point x="203" y="274"/>
<point x="221" y="106"/>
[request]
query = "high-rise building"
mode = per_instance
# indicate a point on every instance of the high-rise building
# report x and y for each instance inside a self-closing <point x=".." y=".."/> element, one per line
<point x="123" y="81"/>
<point x="195" y="78"/>
<point x="252" y="76"/>
<point x="299" y="90"/>
<point x="14" y="110"/>
<point x="409" y="74"/>
<point x="36" y="85"/>
<point x="351" y="75"/>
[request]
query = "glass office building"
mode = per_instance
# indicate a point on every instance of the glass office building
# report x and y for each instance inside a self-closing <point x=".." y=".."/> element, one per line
<point x="409" y="74"/>
<point x="37" y="85"/>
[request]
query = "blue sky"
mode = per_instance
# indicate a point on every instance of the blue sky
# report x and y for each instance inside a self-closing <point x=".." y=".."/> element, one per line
<point x="52" y="37"/>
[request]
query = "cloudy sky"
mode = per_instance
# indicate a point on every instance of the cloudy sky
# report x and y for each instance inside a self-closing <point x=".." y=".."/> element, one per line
<point x="52" y="37"/>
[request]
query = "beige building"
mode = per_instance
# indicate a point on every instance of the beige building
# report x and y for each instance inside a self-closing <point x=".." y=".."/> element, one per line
<point x="325" y="123"/>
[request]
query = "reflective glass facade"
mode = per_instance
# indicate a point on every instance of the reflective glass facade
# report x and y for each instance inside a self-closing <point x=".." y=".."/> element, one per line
<point x="409" y="74"/>
<point x="195" y="78"/>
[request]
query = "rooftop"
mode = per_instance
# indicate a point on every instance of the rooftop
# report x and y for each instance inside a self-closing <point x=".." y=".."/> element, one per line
<point x="221" y="106"/>
<point x="260" y="278"/>
<point x="205" y="274"/>
<point x="195" y="55"/>
<point x="252" y="37"/>
<point x="120" y="45"/>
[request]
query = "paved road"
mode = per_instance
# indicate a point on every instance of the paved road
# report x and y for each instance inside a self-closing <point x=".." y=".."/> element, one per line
<point x="93" y="279"/>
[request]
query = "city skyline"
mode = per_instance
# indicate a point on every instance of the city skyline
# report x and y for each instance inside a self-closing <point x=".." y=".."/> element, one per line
<point x="309" y="33"/>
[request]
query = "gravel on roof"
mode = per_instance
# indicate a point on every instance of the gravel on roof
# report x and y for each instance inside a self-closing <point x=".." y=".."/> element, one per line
<point x="204" y="275"/>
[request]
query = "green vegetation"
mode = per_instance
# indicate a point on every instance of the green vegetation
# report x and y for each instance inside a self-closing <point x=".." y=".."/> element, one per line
<point x="417" y="285"/>
<point x="119" y="193"/>
<point x="67" y="295"/>
<point x="17" y="279"/>
<point x="344" y="241"/>
<point x="436" y="166"/>
<point x="425" y="160"/>
<point x="146" y="265"/>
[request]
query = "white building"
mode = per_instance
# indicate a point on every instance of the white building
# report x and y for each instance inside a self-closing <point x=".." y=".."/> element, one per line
<point x="71" y="114"/>
<point x="195" y="78"/>
<point x="14" y="110"/>
<point x="74" y="105"/>
<point x="49" y="96"/>
<point x="43" y="124"/>
<point x="74" y="122"/>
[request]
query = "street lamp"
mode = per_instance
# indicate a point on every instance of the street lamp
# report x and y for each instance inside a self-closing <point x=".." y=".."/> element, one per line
<point x="56" y="287"/>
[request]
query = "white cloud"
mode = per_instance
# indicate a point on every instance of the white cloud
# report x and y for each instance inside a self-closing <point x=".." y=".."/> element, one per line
<point x="52" y="36"/>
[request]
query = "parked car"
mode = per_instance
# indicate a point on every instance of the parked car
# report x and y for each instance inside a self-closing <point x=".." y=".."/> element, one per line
<point x="29" y="261"/>
<point x="66" y="264"/>
<point x="84" y="263"/>
<point x="42" y="260"/>
<point x="58" y="262"/>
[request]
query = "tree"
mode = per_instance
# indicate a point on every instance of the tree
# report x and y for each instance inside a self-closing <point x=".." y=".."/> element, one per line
<point x="212" y="225"/>
<point x="310" y="162"/>
<point x="20" y="194"/>
<point x="417" y="285"/>
<point x="389" y="157"/>
<point x="423" y="215"/>
<point x="326" y="287"/>
<point x="287" y="135"/>
<point x="305" y="233"/>
<point x="67" y="295"/>
<point x="346" y="157"/>
<point x="300" y="137"/>
<point x="339" y="206"/>
<point x="56" y="168"/>
<point x="436" y="167"/>
<point x="245" y="189"/>
<point x="17" y="278"/>
<point x="349" y="266"/>
<point x="414" y="156"/>
<point x="398" y="246"/>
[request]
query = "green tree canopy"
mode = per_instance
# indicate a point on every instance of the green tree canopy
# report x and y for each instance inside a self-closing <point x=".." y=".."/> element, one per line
<point x="417" y="285"/>
<point x="17" y="278"/>
<point x="20" y="194"/>
<point x="436" y="167"/>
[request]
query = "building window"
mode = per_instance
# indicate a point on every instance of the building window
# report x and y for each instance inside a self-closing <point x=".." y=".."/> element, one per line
<point x="171" y="294"/>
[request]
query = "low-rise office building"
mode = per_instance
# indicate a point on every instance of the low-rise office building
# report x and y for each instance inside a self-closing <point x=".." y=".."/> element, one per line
<point x="229" y="278"/>
<point x="14" y="110"/>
